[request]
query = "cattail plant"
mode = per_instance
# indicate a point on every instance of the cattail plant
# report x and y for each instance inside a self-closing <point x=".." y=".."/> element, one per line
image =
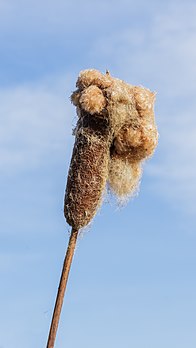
<point x="115" y="132"/>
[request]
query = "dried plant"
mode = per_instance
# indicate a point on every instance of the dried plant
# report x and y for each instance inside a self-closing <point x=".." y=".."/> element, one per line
<point x="115" y="132"/>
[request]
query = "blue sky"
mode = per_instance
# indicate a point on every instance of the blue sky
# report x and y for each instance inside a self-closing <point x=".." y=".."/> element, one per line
<point x="132" y="282"/>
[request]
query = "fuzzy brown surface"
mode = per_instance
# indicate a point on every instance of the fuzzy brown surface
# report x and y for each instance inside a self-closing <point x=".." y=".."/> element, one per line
<point x="115" y="132"/>
<point x="87" y="100"/>
<point x="88" y="172"/>
<point x="135" y="144"/>
<point x="93" y="77"/>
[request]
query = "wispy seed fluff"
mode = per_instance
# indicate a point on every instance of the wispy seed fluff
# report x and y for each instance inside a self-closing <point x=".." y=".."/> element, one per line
<point x="115" y="132"/>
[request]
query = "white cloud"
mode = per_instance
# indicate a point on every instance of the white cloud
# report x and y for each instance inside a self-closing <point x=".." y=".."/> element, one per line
<point x="35" y="124"/>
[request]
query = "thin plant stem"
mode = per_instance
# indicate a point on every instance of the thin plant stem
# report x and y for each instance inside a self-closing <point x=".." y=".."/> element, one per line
<point x="62" y="288"/>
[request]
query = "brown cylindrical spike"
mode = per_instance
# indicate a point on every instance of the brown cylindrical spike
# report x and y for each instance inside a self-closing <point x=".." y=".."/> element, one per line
<point x="86" y="179"/>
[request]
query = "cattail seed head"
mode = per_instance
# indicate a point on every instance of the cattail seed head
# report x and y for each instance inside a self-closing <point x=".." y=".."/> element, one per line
<point x="115" y="131"/>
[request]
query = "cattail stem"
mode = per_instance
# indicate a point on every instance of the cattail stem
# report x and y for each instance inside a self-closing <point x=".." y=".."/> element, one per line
<point x="62" y="287"/>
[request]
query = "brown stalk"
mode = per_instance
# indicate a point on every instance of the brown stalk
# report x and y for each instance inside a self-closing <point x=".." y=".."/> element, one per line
<point x="62" y="288"/>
